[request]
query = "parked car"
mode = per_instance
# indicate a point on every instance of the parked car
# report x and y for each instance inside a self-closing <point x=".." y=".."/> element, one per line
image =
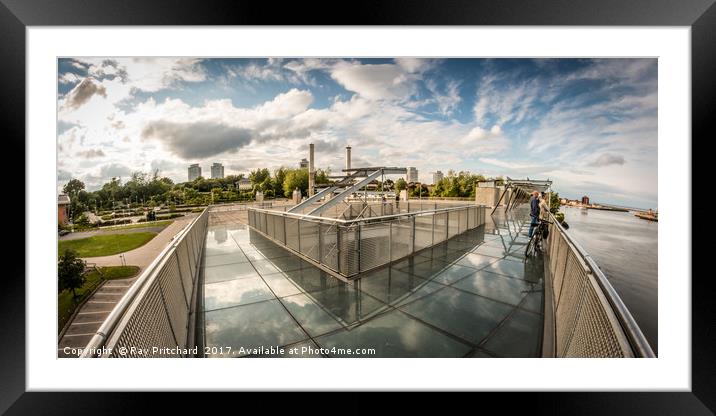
<point x="63" y="232"/>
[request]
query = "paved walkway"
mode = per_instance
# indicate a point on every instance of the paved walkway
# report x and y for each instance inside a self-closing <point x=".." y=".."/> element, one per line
<point x="97" y="308"/>
<point x="86" y="234"/>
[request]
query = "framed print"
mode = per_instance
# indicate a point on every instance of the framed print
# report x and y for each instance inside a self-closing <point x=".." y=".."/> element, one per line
<point x="405" y="193"/>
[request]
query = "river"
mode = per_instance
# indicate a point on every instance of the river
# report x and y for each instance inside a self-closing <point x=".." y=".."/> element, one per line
<point x="625" y="248"/>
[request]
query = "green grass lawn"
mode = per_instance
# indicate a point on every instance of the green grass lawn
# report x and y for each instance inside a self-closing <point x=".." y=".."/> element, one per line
<point x="105" y="245"/>
<point x="66" y="305"/>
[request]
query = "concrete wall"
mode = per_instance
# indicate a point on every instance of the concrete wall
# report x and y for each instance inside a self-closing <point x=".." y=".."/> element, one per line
<point x="486" y="196"/>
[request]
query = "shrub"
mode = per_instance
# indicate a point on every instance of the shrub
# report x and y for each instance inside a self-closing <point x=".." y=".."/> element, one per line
<point x="70" y="269"/>
<point x="559" y="216"/>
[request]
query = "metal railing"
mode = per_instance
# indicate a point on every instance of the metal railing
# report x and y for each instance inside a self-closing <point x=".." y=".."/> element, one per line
<point x="155" y="318"/>
<point x="347" y="247"/>
<point x="589" y="317"/>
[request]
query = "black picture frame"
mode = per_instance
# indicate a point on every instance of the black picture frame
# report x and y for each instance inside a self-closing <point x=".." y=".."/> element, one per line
<point x="16" y="15"/>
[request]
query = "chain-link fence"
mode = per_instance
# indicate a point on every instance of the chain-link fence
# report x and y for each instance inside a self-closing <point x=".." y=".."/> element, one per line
<point x="155" y="317"/>
<point x="380" y="234"/>
<point x="590" y="319"/>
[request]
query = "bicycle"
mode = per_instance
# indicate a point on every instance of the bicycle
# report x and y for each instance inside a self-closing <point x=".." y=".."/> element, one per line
<point x="541" y="232"/>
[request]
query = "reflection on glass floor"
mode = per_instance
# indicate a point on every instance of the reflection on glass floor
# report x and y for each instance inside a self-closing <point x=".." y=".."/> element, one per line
<point x="472" y="296"/>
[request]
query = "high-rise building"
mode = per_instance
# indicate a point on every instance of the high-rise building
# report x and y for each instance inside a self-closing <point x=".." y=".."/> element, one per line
<point x="303" y="164"/>
<point x="217" y="171"/>
<point x="437" y="177"/>
<point x="585" y="200"/>
<point x="411" y="175"/>
<point x="194" y="171"/>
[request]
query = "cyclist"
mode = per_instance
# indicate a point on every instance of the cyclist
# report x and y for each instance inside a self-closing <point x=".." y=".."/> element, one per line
<point x="534" y="212"/>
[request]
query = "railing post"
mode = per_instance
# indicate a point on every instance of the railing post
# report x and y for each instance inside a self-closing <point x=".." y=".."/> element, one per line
<point x="359" y="246"/>
<point x="338" y="249"/>
<point x="320" y="244"/>
<point x="432" y="234"/>
<point x="412" y="246"/>
<point x="447" y="225"/>
<point x="285" y="238"/>
<point x="390" y="242"/>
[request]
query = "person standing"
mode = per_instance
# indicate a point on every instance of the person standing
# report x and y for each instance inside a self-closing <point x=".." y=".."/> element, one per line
<point x="543" y="207"/>
<point x="534" y="212"/>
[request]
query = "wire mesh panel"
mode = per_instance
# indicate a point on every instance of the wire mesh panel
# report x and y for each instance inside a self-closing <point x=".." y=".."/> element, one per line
<point x="292" y="233"/>
<point x="462" y="220"/>
<point x="186" y="271"/>
<point x="471" y="217"/>
<point x="452" y="223"/>
<point x="423" y="232"/>
<point x="329" y="245"/>
<point x="560" y="265"/>
<point x="401" y="238"/>
<point x="349" y="255"/>
<point x="374" y="245"/>
<point x="146" y="328"/>
<point x="440" y="228"/>
<point x="174" y="298"/>
<point x="594" y="332"/>
<point x="279" y="228"/>
<point x="270" y="225"/>
<point x="308" y="233"/>
<point x="569" y="302"/>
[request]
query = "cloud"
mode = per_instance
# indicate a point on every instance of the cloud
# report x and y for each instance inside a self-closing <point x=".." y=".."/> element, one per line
<point x="416" y="65"/>
<point x="114" y="170"/>
<point x="70" y="78"/>
<point x="607" y="159"/>
<point x="82" y="93"/>
<point x="146" y="73"/>
<point x="63" y="175"/>
<point x="199" y="139"/>
<point x="373" y="81"/>
<point x="447" y="102"/>
<point x="91" y="153"/>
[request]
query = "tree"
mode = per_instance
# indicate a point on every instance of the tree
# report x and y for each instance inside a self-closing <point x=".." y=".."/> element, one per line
<point x="73" y="187"/>
<point x="295" y="178"/>
<point x="554" y="203"/>
<point x="70" y="270"/>
<point x="400" y="184"/>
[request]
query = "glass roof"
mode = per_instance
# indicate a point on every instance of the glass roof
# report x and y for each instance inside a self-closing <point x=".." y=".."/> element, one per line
<point x="474" y="295"/>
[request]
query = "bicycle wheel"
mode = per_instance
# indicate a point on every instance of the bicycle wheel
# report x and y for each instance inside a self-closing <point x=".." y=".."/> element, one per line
<point x="531" y="245"/>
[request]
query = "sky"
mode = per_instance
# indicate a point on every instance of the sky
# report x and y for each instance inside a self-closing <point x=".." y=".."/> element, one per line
<point x="589" y="125"/>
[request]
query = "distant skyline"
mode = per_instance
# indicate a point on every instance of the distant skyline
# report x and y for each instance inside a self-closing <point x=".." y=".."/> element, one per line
<point x="589" y="125"/>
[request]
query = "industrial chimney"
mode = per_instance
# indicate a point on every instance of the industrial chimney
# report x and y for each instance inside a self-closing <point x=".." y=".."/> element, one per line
<point x="311" y="171"/>
<point x="348" y="157"/>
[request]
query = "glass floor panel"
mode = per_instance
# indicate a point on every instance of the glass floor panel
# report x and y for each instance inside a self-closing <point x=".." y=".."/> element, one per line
<point x="474" y="295"/>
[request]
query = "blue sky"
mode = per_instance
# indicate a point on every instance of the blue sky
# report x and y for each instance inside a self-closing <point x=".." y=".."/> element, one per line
<point x="590" y="125"/>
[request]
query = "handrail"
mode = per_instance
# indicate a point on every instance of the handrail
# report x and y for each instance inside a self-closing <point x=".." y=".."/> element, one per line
<point x="360" y="220"/>
<point x="636" y="337"/>
<point x="110" y="323"/>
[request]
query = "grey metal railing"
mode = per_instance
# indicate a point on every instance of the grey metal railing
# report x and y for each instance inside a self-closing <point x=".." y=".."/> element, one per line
<point x="589" y="317"/>
<point x="346" y="247"/>
<point x="155" y="318"/>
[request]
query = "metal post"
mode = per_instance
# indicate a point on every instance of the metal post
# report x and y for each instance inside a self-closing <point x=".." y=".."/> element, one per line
<point x="447" y="225"/>
<point x="432" y="236"/>
<point x="285" y="238"/>
<point x="320" y="244"/>
<point x="412" y="247"/>
<point x="338" y="250"/>
<point x="359" y="247"/>
<point x="390" y="241"/>
<point x="298" y="229"/>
